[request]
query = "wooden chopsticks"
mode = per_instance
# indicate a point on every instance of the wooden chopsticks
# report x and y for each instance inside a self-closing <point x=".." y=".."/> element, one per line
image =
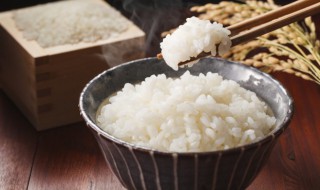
<point x="274" y="14"/>
<point x="265" y="23"/>
<point x="262" y="24"/>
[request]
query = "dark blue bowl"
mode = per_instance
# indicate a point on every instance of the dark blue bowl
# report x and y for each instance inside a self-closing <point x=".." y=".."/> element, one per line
<point x="143" y="168"/>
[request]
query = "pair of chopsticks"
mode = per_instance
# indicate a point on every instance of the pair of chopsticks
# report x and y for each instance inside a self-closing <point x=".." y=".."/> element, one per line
<point x="249" y="29"/>
<point x="273" y="20"/>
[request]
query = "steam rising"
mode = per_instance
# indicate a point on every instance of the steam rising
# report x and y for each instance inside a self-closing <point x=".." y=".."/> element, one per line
<point x="153" y="17"/>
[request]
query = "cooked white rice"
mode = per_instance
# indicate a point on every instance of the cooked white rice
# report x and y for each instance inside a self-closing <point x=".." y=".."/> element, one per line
<point x="192" y="38"/>
<point x="69" y="22"/>
<point x="190" y="113"/>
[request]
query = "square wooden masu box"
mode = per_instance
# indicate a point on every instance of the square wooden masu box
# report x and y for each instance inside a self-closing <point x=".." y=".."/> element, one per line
<point x="45" y="84"/>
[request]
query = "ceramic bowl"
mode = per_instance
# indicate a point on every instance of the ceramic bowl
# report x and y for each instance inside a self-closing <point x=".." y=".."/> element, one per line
<point x="143" y="168"/>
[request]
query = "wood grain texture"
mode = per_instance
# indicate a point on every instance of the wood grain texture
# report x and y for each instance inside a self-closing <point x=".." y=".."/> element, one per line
<point x="17" y="146"/>
<point x="295" y="161"/>
<point x="69" y="158"/>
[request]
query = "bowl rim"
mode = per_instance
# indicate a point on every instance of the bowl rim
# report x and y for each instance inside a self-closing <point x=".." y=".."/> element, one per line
<point x="270" y="137"/>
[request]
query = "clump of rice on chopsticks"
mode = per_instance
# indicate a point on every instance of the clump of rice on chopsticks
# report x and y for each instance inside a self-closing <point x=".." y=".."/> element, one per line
<point x="192" y="38"/>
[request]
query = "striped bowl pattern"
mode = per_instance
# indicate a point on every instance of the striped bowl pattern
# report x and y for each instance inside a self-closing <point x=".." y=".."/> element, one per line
<point x="142" y="168"/>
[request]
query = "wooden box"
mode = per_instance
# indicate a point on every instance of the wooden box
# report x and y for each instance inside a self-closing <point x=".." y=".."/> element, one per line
<point x="45" y="84"/>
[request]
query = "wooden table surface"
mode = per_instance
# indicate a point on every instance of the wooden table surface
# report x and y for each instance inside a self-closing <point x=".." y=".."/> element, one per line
<point x="68" y="157"/>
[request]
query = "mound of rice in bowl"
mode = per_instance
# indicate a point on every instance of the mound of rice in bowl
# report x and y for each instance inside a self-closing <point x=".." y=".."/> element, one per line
<point x="186" y="114"/>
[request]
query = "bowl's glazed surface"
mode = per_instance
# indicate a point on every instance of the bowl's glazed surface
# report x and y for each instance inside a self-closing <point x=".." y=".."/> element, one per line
<point x="142" y="168"/>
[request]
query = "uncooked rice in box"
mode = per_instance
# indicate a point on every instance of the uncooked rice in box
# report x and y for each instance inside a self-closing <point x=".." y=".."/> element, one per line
<point x="69" y="22"/>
